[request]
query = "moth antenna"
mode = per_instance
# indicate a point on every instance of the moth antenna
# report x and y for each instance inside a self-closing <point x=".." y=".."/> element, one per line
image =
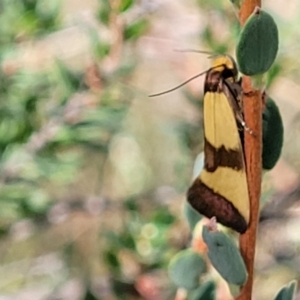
<point x="180" y="85"/>
<point x="235" y="10"/>
<point x="184" y="83"/>
<point x="211" y="54"/>
<point x="195" y="51"/>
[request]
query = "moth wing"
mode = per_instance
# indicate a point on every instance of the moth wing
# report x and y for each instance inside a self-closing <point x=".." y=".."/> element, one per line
<point x="221" y="189"/>
<point x="220" y="127"/>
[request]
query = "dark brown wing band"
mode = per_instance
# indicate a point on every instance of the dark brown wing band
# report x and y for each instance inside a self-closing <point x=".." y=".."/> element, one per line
<point x="211" y="204"/>
<point x="221" y="157"/>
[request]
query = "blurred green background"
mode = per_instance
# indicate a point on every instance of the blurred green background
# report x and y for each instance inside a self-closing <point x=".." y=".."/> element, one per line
<point x="93" y="173"/>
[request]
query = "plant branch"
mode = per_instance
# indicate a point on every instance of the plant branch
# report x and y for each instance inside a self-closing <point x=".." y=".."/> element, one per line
<point x="253" y="153"/>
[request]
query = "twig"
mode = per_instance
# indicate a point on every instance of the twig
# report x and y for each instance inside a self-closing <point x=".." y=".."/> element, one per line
<point x="253" y="152"/>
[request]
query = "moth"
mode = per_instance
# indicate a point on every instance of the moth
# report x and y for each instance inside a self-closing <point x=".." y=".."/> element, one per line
<point x="221" y="189"/>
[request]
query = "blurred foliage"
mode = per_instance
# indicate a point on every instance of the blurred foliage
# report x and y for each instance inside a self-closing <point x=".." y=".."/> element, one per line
<point x="56" y="121"/>
<point x="31" y="18"/>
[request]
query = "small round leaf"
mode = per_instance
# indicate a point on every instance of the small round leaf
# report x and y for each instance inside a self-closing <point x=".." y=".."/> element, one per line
<point x="206" y="291"/>
<point x="185" y="269"/>
<point x="225" y="256"/>
<point x="258" y="44"/>
<point x="272" y="135"/>
<point x="287" y="292"/>
<point x="193" y="217"/>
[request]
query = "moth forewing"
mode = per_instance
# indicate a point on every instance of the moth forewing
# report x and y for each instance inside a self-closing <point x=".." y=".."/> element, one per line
<point x="221" y="189"/>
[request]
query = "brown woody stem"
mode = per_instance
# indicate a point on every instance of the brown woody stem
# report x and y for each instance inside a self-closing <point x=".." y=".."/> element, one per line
<point x="253" y="153"/>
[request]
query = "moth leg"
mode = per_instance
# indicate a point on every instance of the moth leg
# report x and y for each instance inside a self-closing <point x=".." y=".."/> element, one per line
<point x="243" y="124"/>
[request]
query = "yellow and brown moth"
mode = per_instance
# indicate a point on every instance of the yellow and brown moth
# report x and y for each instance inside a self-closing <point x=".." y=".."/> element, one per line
<point x="221" y="189"/>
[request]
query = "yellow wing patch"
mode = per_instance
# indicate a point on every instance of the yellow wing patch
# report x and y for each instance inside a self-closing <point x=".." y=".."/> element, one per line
<point x="219" y="122"/>
<point x="232" y="185"/>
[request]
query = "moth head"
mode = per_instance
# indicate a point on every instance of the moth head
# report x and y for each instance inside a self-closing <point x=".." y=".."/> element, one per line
<point x="226" y="65"/>
<point x="223" y="66"/>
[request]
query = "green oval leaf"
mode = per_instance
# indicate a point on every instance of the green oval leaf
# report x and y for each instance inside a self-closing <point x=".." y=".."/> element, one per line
<point x="193" y="217"/>
<point x="207" y="291"/>
<point x="258" y="44"/>
<point x="225" y="256"/>
<point x="185" y="269"/>
<point x="272" y="135"/>
<point x="287" y="292"/>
